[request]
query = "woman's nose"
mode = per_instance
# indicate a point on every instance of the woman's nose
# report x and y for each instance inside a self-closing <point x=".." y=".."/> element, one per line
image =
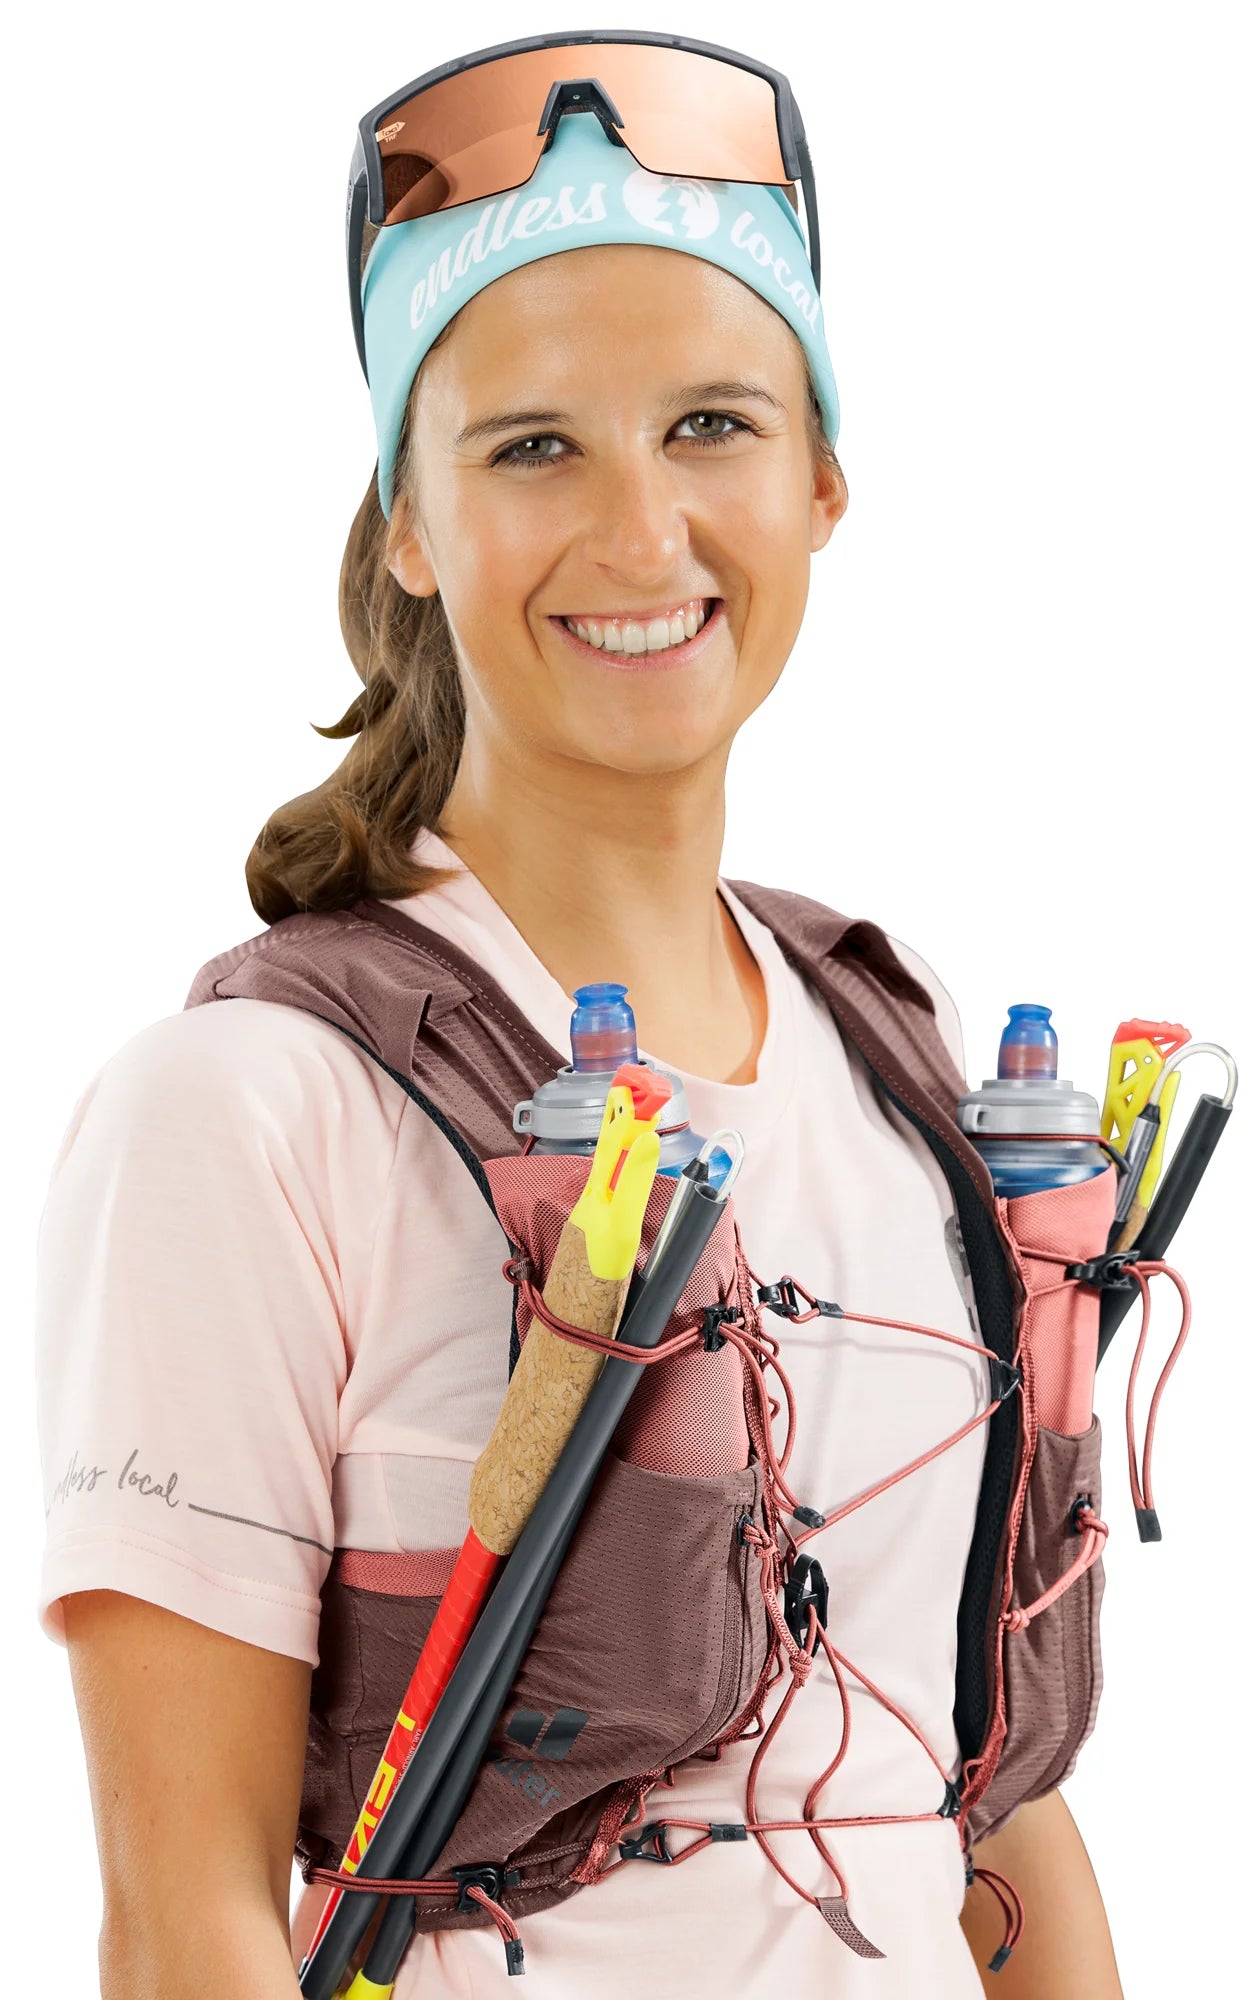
<point x="634" y="513"/>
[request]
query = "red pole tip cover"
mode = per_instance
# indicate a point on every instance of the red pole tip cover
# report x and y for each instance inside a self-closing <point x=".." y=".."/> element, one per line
<point x="650" y="1090"/>
<point x="1166" y="1035"/>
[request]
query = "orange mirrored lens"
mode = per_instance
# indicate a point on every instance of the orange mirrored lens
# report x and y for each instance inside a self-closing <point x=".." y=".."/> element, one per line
<point x="476" y="134"/>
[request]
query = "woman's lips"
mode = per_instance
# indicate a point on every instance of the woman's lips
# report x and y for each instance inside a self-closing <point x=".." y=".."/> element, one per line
<point x="639" y="663"/>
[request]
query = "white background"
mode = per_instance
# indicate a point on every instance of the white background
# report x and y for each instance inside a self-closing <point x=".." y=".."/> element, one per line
<point x="1015" y="729"/>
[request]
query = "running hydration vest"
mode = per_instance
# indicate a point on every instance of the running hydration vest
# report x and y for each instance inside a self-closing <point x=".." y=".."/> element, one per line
<point x="693" y="1546"/>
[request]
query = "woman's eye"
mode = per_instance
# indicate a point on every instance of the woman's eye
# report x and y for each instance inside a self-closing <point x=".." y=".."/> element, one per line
<point x="512" y="454"/>
<point x="723" y="417"/>
<point x="517" y="454"/>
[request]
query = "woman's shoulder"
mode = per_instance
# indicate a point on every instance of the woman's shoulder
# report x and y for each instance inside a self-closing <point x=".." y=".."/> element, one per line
<point x="239" y="1064"/>
<point x="243" y="1038"/>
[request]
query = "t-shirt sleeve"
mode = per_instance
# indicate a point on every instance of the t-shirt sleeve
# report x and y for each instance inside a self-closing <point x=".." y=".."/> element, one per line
<point x="947" y="1015"/>
<point x="191" y="1322"/>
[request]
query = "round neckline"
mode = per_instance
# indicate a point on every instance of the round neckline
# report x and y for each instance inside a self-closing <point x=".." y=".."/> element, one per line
<point x="760" y="1101"/>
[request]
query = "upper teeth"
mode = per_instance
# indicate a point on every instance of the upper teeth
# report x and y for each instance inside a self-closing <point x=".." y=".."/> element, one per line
<point x="627" y="635"/>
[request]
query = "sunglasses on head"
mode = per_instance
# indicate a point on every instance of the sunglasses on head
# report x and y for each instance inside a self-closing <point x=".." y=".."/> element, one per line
<point x="479" y="126"/>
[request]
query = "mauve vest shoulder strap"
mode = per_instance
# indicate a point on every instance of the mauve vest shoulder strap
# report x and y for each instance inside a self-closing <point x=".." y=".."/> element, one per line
<point x="885" y="1011"/>
<point x="424" y="1010"/>
<point x="450" y="1035"/>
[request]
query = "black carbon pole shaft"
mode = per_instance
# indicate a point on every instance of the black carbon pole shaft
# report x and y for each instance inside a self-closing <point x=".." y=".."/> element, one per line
<point x="515" y="1604"/>
<point x="431" y="1836"/>
<point x="1172" y="1198"/>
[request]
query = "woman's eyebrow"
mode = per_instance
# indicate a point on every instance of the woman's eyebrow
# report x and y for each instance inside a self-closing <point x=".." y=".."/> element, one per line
<point x="686" y="398"/>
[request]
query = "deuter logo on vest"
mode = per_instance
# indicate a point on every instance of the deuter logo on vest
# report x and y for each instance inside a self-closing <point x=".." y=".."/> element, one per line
<point x="551" y="1737"/>
<point x="520" y="1771"/>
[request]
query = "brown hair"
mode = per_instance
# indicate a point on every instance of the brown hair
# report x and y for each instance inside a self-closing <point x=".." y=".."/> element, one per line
<point x="351" y="835"/>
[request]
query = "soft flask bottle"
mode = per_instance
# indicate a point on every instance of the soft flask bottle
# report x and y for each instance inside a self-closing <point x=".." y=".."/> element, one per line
<point x="1028" y="1095"/>
<point x="564" y="1114"/>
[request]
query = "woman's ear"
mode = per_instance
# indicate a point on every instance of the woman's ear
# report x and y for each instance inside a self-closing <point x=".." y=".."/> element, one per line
<point x="406" y="557"/>
<point x="831" y="497"/>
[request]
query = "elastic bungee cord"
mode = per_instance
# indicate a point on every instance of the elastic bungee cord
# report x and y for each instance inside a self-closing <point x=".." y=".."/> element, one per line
<point x="1141" y="1269"/>
<point x="796" y="1524"/>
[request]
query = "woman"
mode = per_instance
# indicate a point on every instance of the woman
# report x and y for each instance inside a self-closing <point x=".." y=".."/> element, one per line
<point x="271" y="1311"/>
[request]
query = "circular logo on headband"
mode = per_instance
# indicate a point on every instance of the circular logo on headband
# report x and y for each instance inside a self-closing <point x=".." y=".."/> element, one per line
<point x="670" y="203"/>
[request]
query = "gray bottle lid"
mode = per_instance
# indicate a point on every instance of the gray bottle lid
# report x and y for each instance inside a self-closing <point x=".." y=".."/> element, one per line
<point x="1028" y="1104"/>
<point x="569" y="1107"/>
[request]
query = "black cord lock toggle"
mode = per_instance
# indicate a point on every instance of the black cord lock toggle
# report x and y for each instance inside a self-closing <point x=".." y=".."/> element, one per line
<point x="492" y="1879"/>
<point x="782" y="1298"/>
<point x="806" y="1586"/>
<point x="1105" y="1272"/>
<point x="952" y="1805"/>
<point x="714" y="1317"/>
<point x="648" y="1844"/>
<point x="488" y="1877"/>
<point x="1004" y="1378"/>
<point x="785" y="1299"/>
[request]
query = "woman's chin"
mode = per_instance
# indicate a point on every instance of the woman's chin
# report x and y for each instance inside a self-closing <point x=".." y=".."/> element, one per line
<point x="653" y="746"/>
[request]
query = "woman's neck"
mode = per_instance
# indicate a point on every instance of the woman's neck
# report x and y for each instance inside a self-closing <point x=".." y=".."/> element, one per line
<point x="614" y="876"/>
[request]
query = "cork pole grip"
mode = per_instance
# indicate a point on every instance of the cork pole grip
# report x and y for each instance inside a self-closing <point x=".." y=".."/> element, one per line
<point x="1132" y="1227"/>
<point x="549" y="1385"/>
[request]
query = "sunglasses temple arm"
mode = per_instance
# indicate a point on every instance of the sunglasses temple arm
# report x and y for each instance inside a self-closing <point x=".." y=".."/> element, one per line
<point x="811" y="209"/>
<point x="356" y="213"/>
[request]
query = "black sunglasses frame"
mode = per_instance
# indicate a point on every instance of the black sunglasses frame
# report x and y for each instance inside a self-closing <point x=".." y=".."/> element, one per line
<point x="365" y="194"/>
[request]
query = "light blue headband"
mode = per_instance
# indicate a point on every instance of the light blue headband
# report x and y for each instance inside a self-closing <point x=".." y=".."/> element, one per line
<point x="584" y="190"/>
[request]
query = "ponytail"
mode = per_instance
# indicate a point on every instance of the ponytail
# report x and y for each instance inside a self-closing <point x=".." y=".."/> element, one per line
<point x="351" y="836"/>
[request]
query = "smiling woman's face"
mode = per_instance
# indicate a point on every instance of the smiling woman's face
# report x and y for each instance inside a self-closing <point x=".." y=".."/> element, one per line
<point x="617" y="480"/>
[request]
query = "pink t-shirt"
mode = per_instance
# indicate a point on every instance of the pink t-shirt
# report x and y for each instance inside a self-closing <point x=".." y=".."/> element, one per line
<point x="252" y="1255"/>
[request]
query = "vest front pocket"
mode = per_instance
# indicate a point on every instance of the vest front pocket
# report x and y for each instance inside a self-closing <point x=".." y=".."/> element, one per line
<point x="649" y="1617"/>
<point x="651" y="1643"/>
<point x="1052" y="1665"/>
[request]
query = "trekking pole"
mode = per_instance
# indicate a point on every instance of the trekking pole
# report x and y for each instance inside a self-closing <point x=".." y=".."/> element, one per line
<point x="376" y="1979"/>
<point x="409" y="1832"/>
<point x="586" y="1286"/>
<point x="1172" y="1197"/>
<point x="375" y="1982"/>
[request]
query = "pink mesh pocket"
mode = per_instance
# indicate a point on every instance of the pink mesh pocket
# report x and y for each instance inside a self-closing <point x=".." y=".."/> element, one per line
<point x="1050" y="1661"/>
<point x="1066" y="1225"/>
<point x="687" y="1415"/>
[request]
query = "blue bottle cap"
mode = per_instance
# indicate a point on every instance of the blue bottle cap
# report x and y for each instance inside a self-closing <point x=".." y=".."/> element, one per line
<point x="602" y="1031"/>
<point x="1029" y="1046"/>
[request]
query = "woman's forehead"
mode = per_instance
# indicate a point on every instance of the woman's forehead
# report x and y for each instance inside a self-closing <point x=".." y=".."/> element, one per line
<point x="606" y="316"/>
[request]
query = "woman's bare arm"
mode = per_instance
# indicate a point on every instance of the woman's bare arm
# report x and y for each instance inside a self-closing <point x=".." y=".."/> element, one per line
<point x="195" y="1744"/>
<point x="1065" y="1951"/>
